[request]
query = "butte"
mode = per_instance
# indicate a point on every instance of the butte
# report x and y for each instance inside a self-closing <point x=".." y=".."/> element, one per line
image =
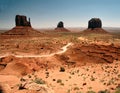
<point x="95" y="26"/>
<point x="23" y="28"/>
<point x="60" y="27"/>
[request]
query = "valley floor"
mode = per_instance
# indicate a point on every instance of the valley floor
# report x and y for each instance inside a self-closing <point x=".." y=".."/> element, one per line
<point x="66" y="63"/>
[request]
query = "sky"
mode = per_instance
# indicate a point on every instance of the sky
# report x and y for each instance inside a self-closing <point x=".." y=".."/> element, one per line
<point x="47" y="13"/>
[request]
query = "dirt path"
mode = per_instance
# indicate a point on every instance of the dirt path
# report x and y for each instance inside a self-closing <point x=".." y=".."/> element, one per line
<point x="64" y="49"/>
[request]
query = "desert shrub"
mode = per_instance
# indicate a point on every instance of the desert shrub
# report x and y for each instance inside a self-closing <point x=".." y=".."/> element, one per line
<point x="62" y="69"/>
<point x="29" y="76"/>
<point x="92" y="78"/>
<point x="22" y="79"/>
<point x="117" y="90"/>
<point x="79" y="92"/>
<point x="68" y="91"/>
<point x="76" y="88"/>
<point x="119" y="76"/>
<point x="39" y="81"/>
<point x="104" y="91"/>
<point x="89" y="87"/>
<point x="47" y="74"/>
<point x="91" y="92"/>
<point x="21" y="86"/>
<point x="70" y="77"/>
<point x="59" y="81"/>
<point x="54" y="79"/>
<point x="62" y="84"/>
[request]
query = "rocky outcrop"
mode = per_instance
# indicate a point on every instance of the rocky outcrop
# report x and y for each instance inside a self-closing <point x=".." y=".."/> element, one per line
<point x="21" y="20"/>
<point x="60" y="27"/>
<point x="95" y="23"/>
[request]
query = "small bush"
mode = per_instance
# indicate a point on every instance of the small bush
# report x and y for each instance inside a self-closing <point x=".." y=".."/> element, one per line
<point x="62" y="69"/>
<point x="21" y="86"/>
<point x="117" y="90"/>
<point x="62" y="84"/>
<point x="54" y="79"/>
<point x="59" y="81"/>
<point x="104" y="91"/>
<point x="91" y="92"/>
<point x="92" y="78"/>
<point x="76" y="88"/>
<point x="22" y="79"/>
<point x="39" y="81"/>
<point x="29" y="76"/>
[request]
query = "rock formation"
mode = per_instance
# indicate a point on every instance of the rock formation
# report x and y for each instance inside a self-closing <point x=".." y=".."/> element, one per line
<point x="95" y="23"/>
<point x="60" y="27"/>
<point x="95" y="26"/>
<point x="23" y="27"/>
<point x="21" y="20"/>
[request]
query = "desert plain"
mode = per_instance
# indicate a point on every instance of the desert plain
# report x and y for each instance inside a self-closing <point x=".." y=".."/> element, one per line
<point x="60" y="62"/>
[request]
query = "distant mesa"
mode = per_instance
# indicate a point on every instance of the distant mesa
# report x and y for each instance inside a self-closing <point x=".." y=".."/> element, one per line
<point x="95" y="26"/>
<point x="23" y="27"/>
<point x="60" y="27"/>
<point x="21" y="20"/>
<point x="94" y="23"/>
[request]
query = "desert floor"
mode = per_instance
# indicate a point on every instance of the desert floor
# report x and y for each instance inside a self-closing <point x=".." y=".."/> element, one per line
<point x="62" y="62"/>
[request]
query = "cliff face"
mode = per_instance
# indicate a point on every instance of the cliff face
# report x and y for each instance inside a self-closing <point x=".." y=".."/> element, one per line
<point x="95" y="23"/>
<point x="21" y="20"/>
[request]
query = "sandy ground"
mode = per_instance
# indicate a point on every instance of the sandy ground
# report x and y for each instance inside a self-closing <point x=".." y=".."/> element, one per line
<point x="25" y="71"/>
<point x="23" y="55"/>
<point x="90" y="77"/>
<point x="94" y="77"/>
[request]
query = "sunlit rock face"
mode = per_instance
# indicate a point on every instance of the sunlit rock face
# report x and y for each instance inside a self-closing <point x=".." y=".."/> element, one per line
<point x="21" y="20"/>
<point x="95" y="23"/>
